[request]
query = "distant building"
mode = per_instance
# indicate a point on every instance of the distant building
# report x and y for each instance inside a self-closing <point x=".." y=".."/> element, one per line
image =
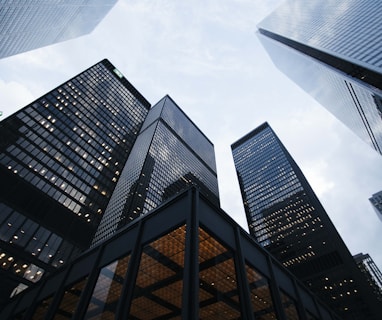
<point x="170" y="154"/>
<point x="26" y="25"/>
<point x="371" y="271"/>
<point x="333" y="51"/>
<point x="186" y="259"/>
<point x="376" y="201"/>
<point x="285" y="216"/>
<point x="60" y="159"/>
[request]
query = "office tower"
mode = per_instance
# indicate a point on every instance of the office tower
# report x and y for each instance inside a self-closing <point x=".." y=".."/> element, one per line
<point x="376" y="201"/>
<point x="170" y="154"/>
<point x="184" y="260"/>
<point x="332" y="50"/>
<point x="26" y="25"/>
<point x="285" y="216"/>
<point x="60" y="160"/>
<point x="371" y="271"/>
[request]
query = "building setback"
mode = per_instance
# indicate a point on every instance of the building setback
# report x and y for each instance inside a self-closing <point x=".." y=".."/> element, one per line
<point x="333" y="51"/>
<point x="186" y="259"/>
<point x="60" y="159"/>
<point x="26" y="25"/>
<point x="285" y="217"/>
<point x="170" y="154"/>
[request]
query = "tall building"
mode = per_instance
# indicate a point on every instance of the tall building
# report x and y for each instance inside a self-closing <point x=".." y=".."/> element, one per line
<point x="285" y="217"/>
<point x="371" y="271"/>
<point x="376" y="201"/>
<point x="332" y="50"/>
<point x="26" y="25"/>
<point x="186" y="259"/>
<point x="60" y="159"/>
<point x="170" y="154"/>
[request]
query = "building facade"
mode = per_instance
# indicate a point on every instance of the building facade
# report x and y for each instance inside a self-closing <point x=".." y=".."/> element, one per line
<point x="186" y="259"/>
<point x="170" y="154"/>
<point x="371" y="272"/>
<point x="332" y="50"/>
<point x="376" y="202"/>
<point x="26" y="25"/>
<point x="60" y="159"/>
<point x="285" y="217"/>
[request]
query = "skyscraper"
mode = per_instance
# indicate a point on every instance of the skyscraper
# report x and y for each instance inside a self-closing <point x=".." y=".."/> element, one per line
<point x="60" y="159"/>
<point x="184" y="260"/>
<point x="332" y="50"/>
<point x="170" y="154"/>
<point x="376" y="201"/>
<point x="26" y="25"/>
<point x="285" y="216"/>
<point x="371" y="272"/>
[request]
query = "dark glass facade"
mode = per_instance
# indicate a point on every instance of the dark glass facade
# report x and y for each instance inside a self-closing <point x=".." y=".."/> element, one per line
<point x="170" y="153"/>
<point x="376" y="202"/>
<point x="26" y="25"/>
<point x="186" y="259"/>
<point x="285" y="217"/>
<point x="332" y="51"/>
<point x="371" y="272"/>
<point x="61" y="157"/>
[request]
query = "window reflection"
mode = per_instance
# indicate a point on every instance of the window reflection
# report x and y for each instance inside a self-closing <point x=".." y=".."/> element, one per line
<point x="107" y="291"/>
<point x="261" y="299"/>
<point x="42" y="308"/>
<point x="70" y="300"/>
<point x="159" y="285"/>
<point x="218" y="294"/>
<point x="289" y="306"/>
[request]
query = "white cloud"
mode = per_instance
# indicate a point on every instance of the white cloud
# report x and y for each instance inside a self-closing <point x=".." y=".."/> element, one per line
<point x="206" y="56"/>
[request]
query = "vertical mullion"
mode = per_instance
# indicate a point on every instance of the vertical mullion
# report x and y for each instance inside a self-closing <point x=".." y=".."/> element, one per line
<point x="190" y="299"/>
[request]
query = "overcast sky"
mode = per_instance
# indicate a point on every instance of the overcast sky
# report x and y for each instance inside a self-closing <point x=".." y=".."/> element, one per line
<point x="206" y="56"/>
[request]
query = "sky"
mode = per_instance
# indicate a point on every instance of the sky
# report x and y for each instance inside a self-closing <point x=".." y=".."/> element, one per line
<point x="207" y="57"/>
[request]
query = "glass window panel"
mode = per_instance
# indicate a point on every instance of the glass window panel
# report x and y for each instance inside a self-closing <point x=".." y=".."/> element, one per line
<point x="261" y="298"/>
<point x="70" y="300"/>
<point x="289" y="306"/>
<point x="218" y="294"/>
<point x="159" y="285"/>
<point x="42" y="308"/>
<point x="310" y="316"/>
<point x="107" y="291"/>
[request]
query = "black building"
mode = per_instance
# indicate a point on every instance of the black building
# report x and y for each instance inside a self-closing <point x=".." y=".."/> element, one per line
<point x="285" y="217"/>
<point x="61" y="157"/>
<point x="371" y="272"/>
<point x="186" y="259"/>
<point x="170" y="154"/>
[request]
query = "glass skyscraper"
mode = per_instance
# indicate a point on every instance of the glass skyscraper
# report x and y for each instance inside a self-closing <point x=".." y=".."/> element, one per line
<point x="376" y="201"/>
<point x="26" y="25"/>
<point x="60" y="159"/>
<point x="332" y="50"/>
<point x="371" y="271"/>
<point x="170" y="154"/>
<point x="285" y="216"/>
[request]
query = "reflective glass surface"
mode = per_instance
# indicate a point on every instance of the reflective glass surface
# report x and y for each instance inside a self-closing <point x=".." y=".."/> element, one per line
<point x="70" y="300"/>
<point x="289" y="306"/>
<point x="107" y="291"/>
<point x="261" y="298"/>
<point x="218" y="292"/>
<point x="42" y="308"/>
<point x="64" y="153"/>
<point x="159" y="283"/>
<point x="25" y="27"/>
<point x="164" y="161"/>
<point x="349" y="29"/>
